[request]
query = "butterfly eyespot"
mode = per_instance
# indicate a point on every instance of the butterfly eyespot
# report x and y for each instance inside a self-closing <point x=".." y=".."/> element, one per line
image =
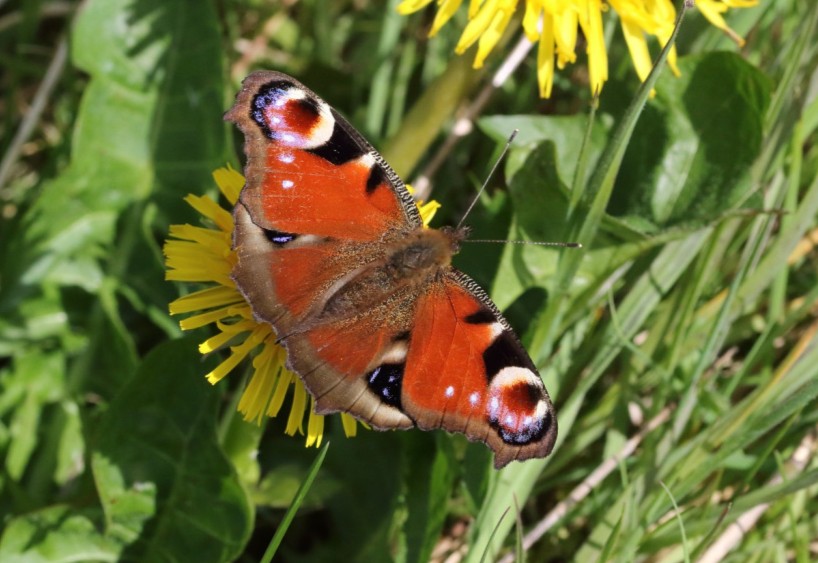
<point x="286" y="114"/>
<point x="516" y="408"/>
<point x="385" y="381"/>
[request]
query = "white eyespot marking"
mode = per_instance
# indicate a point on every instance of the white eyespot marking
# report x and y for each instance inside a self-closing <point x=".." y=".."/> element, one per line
<point x="293" y="126"/>
<point x="449" y="391"/>
<point x="395" y="354"/>
<point x="286" y="157"/>
<point x="287" y="184"/>
<point x="296" y="94"/>
<point x="494" y="406"/>
<point x="322" y="129"/>
<point x="474" y="398"/>
<point x="509" y="376"/>
<point x="542" y="410"/>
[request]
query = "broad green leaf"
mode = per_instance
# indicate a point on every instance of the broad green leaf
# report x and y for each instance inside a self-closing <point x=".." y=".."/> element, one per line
<point x="140" y="126"/>
<point x="565" y="132"/>
<point x="69" y="452"/>
<point x="284" y="461"/>
<point x="35" y="381"/>
<point x="690" y="155"/>
<point x="280" y="483"/>
<point x="149" y="126"/>
<point x="540" y="208"/>
<point x="166" y="487"/>
<point x="58" y="534"/>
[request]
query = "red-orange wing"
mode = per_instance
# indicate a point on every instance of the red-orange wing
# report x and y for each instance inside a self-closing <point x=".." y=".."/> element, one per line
<point x="467" y="372"/>
<point x="308" y="171"/>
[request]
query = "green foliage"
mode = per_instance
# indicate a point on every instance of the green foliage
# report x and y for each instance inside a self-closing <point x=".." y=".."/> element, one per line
<point x="693" y="298"/>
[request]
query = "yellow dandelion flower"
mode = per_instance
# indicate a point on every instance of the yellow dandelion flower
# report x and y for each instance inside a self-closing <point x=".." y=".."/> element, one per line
<point x="427" y="210"/>
<point x="554" y="24"/>
<point x="204" y="255"/>
<point x="713" y="10"/>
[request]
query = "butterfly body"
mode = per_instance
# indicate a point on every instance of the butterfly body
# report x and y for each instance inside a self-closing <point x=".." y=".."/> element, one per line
<point x="403" y="266"/>
<point x="333" y="254"/>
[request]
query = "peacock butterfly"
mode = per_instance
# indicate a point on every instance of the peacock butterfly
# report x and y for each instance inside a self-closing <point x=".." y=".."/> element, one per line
<point x="332" y="252"/>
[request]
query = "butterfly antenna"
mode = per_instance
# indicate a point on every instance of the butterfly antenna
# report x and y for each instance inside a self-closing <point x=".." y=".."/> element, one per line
<point x="483" y="187"/>
<point x="536" y="243"/>
<point x="491" y="173"/>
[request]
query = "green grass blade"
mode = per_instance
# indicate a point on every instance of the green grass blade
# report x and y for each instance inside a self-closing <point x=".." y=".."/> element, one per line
<point x="294" y="506"/>
<point x="597" y="195"/>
